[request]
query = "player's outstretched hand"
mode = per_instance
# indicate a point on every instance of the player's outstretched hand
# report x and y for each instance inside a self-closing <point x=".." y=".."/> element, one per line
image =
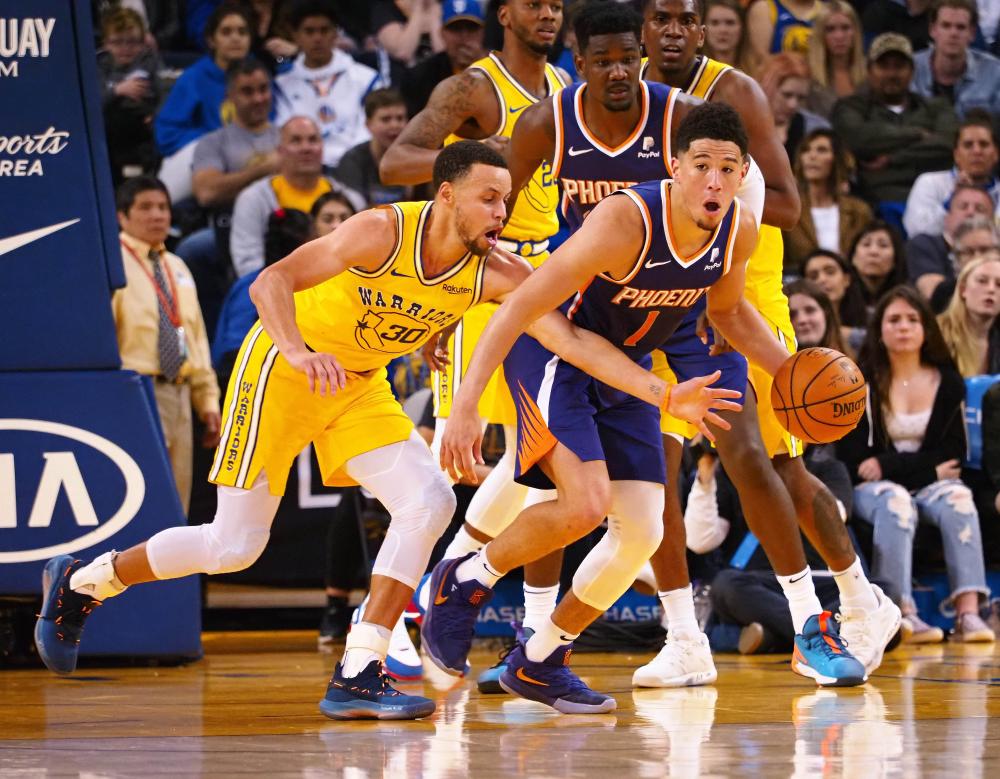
<point x="325" y="373"/>
<point x="461" y="444"/>
<point x="696" y="402"/>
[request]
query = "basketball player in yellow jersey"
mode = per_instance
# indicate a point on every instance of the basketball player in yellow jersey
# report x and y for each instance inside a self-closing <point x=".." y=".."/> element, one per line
<point x="332" y="315"/>
<point x="485" y="102"/>
<point x="759" y="456"/>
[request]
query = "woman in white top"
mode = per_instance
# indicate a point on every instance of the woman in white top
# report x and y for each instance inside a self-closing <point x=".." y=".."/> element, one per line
<point x="905" y="457"/>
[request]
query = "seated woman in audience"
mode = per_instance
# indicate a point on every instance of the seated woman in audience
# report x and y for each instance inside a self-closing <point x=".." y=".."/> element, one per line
<point x="836" y="56"/>
<point x="876" y="255"/>
<point x="905" y="458"/>
<point x="195" y="104"/>
<point x="830" y="272"/>
<point x="830" y="217"/>
<point x="813" y="317"/>
<point x="968" y="323"/>
<point x="785" y="80"/>
<point x="726" y="34"/>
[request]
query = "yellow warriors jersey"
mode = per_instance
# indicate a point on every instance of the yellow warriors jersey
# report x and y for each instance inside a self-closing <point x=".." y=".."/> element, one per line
<point x="534" y="216"/>
<point x="366" y="318"/>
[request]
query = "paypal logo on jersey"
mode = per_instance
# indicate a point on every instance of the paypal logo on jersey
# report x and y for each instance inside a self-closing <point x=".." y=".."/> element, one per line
<point x="648" y="142"/>
<point x="67" y="489"/>
<point x="713" y="261"/>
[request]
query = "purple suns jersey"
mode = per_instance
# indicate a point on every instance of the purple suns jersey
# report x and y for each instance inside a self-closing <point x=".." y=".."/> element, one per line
<point x="639" y="312"/>
<point x="588" y="170"/>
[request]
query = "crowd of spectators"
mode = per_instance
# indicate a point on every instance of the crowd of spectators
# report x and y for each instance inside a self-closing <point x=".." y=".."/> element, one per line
<point x="266" y="121"/>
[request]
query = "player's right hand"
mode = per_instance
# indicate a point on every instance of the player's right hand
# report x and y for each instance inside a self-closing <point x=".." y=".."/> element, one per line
<point x="435" y="352"/>
<point x="498" y="143"/>
<point x="462" y="444"/>
<point x="325" y="373"/>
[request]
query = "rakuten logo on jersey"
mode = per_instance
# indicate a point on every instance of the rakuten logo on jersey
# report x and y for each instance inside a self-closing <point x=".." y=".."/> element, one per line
<point x="62" y="489"/>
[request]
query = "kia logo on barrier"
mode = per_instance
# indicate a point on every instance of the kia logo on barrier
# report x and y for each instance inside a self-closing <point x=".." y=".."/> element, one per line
<point x="61" y="474"/>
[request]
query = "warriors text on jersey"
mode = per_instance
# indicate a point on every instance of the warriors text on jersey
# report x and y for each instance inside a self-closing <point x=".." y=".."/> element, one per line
<point x="588" y="170"/>
<point x="534" y="216"/>
<point x="368" y="317"/>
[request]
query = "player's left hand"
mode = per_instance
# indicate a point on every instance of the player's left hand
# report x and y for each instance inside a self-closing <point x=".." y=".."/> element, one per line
<point x="696" y="402"/>
<point x="461" y="444"/>
<point x="213" y="424"/>
<point x="435" y="352"/>
<point x="719" y="343"/>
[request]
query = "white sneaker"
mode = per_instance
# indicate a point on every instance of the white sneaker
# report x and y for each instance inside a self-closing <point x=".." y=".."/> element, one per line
<point x="683" y="662"/>
<point x="867" y="632"/>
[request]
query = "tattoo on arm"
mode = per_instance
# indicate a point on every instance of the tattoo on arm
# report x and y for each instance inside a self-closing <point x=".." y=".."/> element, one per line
<point x="452" y="103"/>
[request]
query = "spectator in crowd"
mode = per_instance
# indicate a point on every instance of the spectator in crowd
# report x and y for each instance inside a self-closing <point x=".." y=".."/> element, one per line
<point x="726" y="34"/>
<point x="876" y="257"/>
<point x="196" y="103"/>
<point x="968" y="323"/>
<point x="272" y="39"/>
<point x="160" y="330"/>
<point x="385" y="117"/>
<point x="894" y="133"/>
<point x="130" y="92"/>
<point x="909" y="18"/>
<point x="949" y="68"/>
<point x="405" y="28"/>
<point x="299" y="182"/>
<point x="905" y="458"/>
<point x="813" y="317"/>
<point x="160" y="20"/>
<point x="830" y="218"/>
<point x="462" y="28"/>
<point x="836" y="56"/>
<point x="780" y="26"/>
<point x="329" y="212"/>
<point x="785" y="80"/>
<point x="975" y="155"/>
<point x="832" y="274"/>
<point x="930" y="258"/>
<point x="325" y="83"/>
<point x="974" y="238"/>
<point x="989" y="23"/>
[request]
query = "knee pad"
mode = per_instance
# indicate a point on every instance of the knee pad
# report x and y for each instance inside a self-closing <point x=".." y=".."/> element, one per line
<point x="635" y="529"/>
<point x="234" y="550"/>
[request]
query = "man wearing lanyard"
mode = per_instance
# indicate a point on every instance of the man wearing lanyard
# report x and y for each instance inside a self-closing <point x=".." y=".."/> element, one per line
<point x="160" y="329"/>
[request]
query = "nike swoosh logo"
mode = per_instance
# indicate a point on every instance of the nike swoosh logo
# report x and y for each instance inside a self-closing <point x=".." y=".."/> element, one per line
<point x="520" y="674"/>
<point x="577" y="152"/>
<point x="440" y="598"/>
<point x="400" y="275"/>
<point x="515" y="110"/>
<point x="23" y="239"/>
<point x="792" y="581"/>
<point x="651" y="264"/>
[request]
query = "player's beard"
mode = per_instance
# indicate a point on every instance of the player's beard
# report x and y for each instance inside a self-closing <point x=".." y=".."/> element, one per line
<point x="476" y="244"/>
<point x="524" y="35"/>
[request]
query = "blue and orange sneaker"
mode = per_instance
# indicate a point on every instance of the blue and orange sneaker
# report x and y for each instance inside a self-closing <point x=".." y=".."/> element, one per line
<point x="370" y="696"/>
<point x="552" y="683"/>
<point x="60" y="622"/>
<point x="450" y="620"/>
<point x="489" y="680"/>
<point x="821" y="654"/>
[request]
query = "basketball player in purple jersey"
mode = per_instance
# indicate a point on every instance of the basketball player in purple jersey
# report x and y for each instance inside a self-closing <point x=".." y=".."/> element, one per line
<point x="634" y="269"/>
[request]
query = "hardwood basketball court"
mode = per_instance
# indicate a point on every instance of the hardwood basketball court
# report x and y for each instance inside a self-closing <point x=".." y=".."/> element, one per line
<point x="250" y="708"/>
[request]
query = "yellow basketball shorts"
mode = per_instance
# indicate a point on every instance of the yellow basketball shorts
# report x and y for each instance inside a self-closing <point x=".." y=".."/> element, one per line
<point x="270" y="415"/>
<point x="495" y="405"/>
<point x="775" y="437"/>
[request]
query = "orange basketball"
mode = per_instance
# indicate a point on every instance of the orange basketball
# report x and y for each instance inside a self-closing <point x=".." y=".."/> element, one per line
<point x="818" y="395"/>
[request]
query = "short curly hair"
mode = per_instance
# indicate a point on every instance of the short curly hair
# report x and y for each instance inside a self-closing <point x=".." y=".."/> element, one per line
<point x="457" y="159"/>
<point x="715" y="121"/>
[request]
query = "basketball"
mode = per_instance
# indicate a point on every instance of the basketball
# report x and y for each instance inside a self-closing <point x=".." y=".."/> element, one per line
<point x="818" y="395"/>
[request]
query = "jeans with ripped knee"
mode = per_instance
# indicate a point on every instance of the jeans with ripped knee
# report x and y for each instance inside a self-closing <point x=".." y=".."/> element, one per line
<point x="893" y="513"/>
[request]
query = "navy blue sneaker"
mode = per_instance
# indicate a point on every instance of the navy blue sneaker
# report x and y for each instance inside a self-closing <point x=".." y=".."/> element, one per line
<point x="450" y="620"/>
<point x="370" y="696"/>
<point x="552" y="683"/>
<point x="821" y="654"/>
<point x="489" y="680"/>
<point x="60" y="623"/>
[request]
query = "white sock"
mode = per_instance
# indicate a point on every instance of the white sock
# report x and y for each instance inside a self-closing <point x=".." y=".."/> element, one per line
<point x="461" y="545"/>
<point x="855" y="590"/>
<point x="478" y="568"/>
<point x="546" y="640"/>
<point x="678" y="608"/>
<point x="539" y="603"/>
<point x="366" y="642"/>
<point x="801" y="594"/>
<point x="98" y="578"/>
